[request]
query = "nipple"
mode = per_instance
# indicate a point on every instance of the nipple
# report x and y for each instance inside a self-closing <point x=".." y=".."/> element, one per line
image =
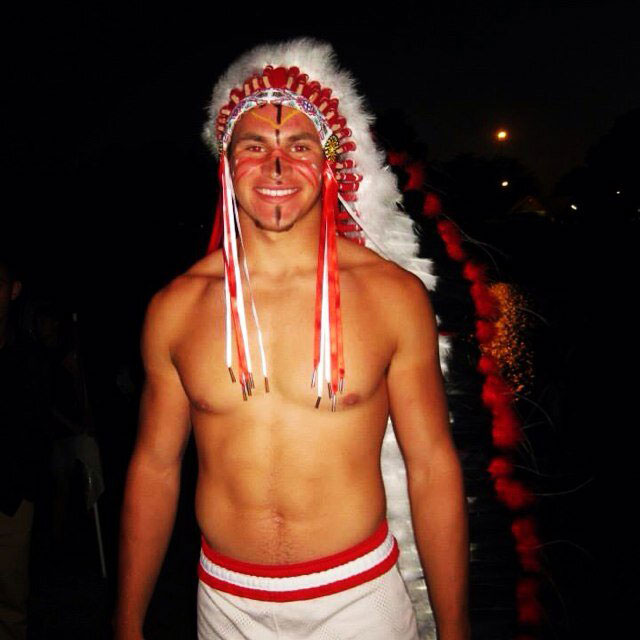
<point x="350" y="399"/>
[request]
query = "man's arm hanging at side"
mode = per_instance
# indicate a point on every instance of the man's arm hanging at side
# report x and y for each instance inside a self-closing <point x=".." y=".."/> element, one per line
<point x="153" y="478"/>
<point x="420" y="417"/>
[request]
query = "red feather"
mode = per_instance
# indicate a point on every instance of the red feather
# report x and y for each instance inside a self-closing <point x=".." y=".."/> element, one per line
<point x="485" y="331"/>
<point x="416" y="176"/>
<point x="529" y="610"/>
<point x="487" y="365"/>
<point x="485" y="301"/>
<point x="527" y="543"/>
<point x="496" y="392"/>
<point x="500" y="467"/>
<point x="474" y="271"/>
<point x="506" y="432"/>
<point x="513" y="493"/>
<point x="456" y="252"/>
<point x="396" y="158"/>
<point x="432" y="205"/>
<point x="451" y="237"/>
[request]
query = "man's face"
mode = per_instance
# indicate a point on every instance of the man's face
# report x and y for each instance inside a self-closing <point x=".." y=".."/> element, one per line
<point x="276" y="166"/>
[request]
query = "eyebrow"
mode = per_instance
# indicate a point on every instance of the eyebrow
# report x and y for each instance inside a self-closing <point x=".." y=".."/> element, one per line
<point x="291" y="138"/>
<point x="250" y="136"/>
<point x="303" y="136"/>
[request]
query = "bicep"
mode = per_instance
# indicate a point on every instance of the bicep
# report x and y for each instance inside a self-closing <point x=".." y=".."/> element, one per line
<point x="417" y="399"/>
<point x="164" y="422"/>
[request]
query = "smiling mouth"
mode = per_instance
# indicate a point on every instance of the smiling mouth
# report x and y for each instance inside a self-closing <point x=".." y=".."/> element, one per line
<point x="276" y="193"/>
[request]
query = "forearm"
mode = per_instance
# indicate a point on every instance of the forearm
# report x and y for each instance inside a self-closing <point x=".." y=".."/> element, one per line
<point x="439" y="515"/>
<point x="148" y="516"/>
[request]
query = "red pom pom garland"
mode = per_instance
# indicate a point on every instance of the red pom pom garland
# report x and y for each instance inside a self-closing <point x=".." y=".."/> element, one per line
<point x="497" y="395"/>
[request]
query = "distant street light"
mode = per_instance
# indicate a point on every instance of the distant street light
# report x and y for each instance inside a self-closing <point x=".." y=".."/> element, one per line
<point x="504" y="183"/>
<point x="502" y="135"/>
<point x="573" y="206"/>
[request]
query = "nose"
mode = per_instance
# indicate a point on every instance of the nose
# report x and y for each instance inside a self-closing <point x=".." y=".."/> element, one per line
<point x="276" y="165"/>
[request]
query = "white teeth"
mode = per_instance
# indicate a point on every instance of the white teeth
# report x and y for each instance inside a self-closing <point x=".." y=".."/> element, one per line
<point x="276" y="192"/>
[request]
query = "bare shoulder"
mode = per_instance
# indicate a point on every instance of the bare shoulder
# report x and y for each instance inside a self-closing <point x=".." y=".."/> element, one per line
<point x="391" y="283"/>
<point x="170" y="306"/>
<point x="396" y="298"/>
<point x="193" y="282"/>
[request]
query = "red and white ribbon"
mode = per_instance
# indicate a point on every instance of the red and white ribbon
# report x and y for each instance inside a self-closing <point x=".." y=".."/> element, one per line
<point x="236" y="322"/>
<point x="328" y="358"/>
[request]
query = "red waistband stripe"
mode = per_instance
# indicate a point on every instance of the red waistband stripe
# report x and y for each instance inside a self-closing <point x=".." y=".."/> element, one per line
<point x="304" y="580"/>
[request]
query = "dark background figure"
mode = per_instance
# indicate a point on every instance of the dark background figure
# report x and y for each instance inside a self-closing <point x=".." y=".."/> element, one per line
<point x="22" y="456"/>
<point x="70" y="421"/>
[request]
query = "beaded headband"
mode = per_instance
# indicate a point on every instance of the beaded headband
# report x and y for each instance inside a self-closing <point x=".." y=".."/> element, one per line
<point x="284" y="97"/>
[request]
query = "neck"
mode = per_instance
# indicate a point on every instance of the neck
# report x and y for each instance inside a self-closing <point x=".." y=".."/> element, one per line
<point x="279" y="254"/>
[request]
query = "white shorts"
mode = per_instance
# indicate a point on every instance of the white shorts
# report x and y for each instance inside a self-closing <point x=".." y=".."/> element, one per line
<point x="355" y="594"/>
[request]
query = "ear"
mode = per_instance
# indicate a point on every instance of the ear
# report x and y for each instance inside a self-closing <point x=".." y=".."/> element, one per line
<point x="16" y="288"/>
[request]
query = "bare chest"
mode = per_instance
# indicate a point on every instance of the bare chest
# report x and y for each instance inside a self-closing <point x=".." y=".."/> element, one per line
<point x="286" y="316"/>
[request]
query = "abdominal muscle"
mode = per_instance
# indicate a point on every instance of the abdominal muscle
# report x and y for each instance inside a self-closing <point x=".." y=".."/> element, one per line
<point x="289" y="489"/>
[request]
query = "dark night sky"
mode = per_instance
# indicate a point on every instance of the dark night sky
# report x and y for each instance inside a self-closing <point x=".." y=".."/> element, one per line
<point x="556" y="75"/>
<point x="109" y="86"/>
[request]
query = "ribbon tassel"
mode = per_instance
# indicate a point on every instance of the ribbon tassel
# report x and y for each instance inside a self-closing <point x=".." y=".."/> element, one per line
<point x="236" y="322"/>
<point x="328" y="358"/>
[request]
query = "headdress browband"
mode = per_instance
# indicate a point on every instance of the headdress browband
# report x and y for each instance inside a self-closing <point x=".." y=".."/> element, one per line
<point x="293" y="87"/>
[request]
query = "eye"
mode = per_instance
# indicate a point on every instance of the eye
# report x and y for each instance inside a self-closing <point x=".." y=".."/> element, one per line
<point x="300" y="148"/>
<point x="250" y="147"/>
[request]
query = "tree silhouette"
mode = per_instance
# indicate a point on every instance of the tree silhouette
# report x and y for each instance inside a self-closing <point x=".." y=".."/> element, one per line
<point x="606" y="187"/>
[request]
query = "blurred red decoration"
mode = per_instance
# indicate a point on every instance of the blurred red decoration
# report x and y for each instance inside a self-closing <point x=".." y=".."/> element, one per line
<point x="416" y="176"/>
<point x="432" y="205"/>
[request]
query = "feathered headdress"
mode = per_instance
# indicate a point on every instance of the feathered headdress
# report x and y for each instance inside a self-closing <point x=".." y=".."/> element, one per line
<point x="360" y="195"/>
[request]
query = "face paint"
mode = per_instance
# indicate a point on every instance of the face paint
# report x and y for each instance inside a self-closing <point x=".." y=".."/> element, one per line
<point x="277" y="177"/>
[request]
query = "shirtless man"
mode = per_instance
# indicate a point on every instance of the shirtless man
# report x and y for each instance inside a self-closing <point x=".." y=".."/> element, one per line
<point x="282" y="482"/>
